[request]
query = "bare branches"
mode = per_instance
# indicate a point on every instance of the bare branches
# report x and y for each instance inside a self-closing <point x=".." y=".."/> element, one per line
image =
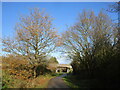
<point x="115" y="7"/>
<point x="35" y="35"/>
<point x="88" y="33"/>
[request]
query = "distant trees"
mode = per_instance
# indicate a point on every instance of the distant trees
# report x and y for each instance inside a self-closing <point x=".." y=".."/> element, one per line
<point x="52" y="64"/>
<point x="35" y="37"/>
<point x="53" y="60"/>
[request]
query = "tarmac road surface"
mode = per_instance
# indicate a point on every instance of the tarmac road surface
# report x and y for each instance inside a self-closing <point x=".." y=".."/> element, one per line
<point x="57" y="82"/>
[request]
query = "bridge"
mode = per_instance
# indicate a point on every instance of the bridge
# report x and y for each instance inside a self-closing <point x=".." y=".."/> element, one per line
<point x="63" y="68"/>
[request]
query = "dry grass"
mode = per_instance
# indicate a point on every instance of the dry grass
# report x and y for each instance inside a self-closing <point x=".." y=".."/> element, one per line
<point x="40" y="82"/>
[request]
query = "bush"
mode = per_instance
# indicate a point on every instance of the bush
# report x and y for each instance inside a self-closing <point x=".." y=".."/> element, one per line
<point x="19" y="73"/>
<point x="20" y="69"/>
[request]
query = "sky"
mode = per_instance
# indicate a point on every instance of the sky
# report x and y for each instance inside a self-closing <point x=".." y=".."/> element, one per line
<point x="60" y="0"/>
<point x="64" y="14"/>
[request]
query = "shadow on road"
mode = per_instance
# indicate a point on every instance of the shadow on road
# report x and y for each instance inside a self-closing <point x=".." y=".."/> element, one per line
<point x="57" y="82"/>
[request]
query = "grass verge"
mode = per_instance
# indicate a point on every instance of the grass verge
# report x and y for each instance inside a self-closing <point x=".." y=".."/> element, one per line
<point x="75" y="82"/>
<point x="39" y="82"/>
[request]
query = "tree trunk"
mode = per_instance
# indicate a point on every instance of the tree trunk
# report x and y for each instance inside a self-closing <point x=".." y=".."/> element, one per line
<point x="35" y="74"/>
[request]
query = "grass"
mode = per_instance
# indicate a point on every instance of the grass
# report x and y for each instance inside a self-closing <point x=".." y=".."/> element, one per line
<point x="0" y="78"/>
<point x="39" y="82"/>
<point x="75" y="82"/>
<point x="71" y="81"/>
<point x="56" y="74"/>
<point x="42" y="81"/>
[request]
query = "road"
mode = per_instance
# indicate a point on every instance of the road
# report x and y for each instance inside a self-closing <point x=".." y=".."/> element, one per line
<point x="57" y="82"/>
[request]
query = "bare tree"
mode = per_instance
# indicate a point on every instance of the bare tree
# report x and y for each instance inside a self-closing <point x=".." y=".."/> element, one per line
<point x="87" y="37"/>
<point x="34" y="38"/>
<point x="115" y="8"/>
<point x="88" y="30"/>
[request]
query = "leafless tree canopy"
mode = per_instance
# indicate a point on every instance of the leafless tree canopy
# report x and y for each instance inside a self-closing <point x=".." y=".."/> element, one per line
<point x="35" y="36"/>
<point x="115" y="7"/>
<point x="88" y="31"/>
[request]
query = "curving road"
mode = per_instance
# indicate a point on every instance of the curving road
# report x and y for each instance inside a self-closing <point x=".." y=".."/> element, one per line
<point x="57" y="82"/>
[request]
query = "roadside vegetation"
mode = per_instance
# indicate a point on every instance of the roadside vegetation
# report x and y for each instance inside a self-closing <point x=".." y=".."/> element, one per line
<point x="27" y="58"/>
<point x="93" y="43"/>
<point x="20" y="74"/>
<point x="11" y="82"/>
